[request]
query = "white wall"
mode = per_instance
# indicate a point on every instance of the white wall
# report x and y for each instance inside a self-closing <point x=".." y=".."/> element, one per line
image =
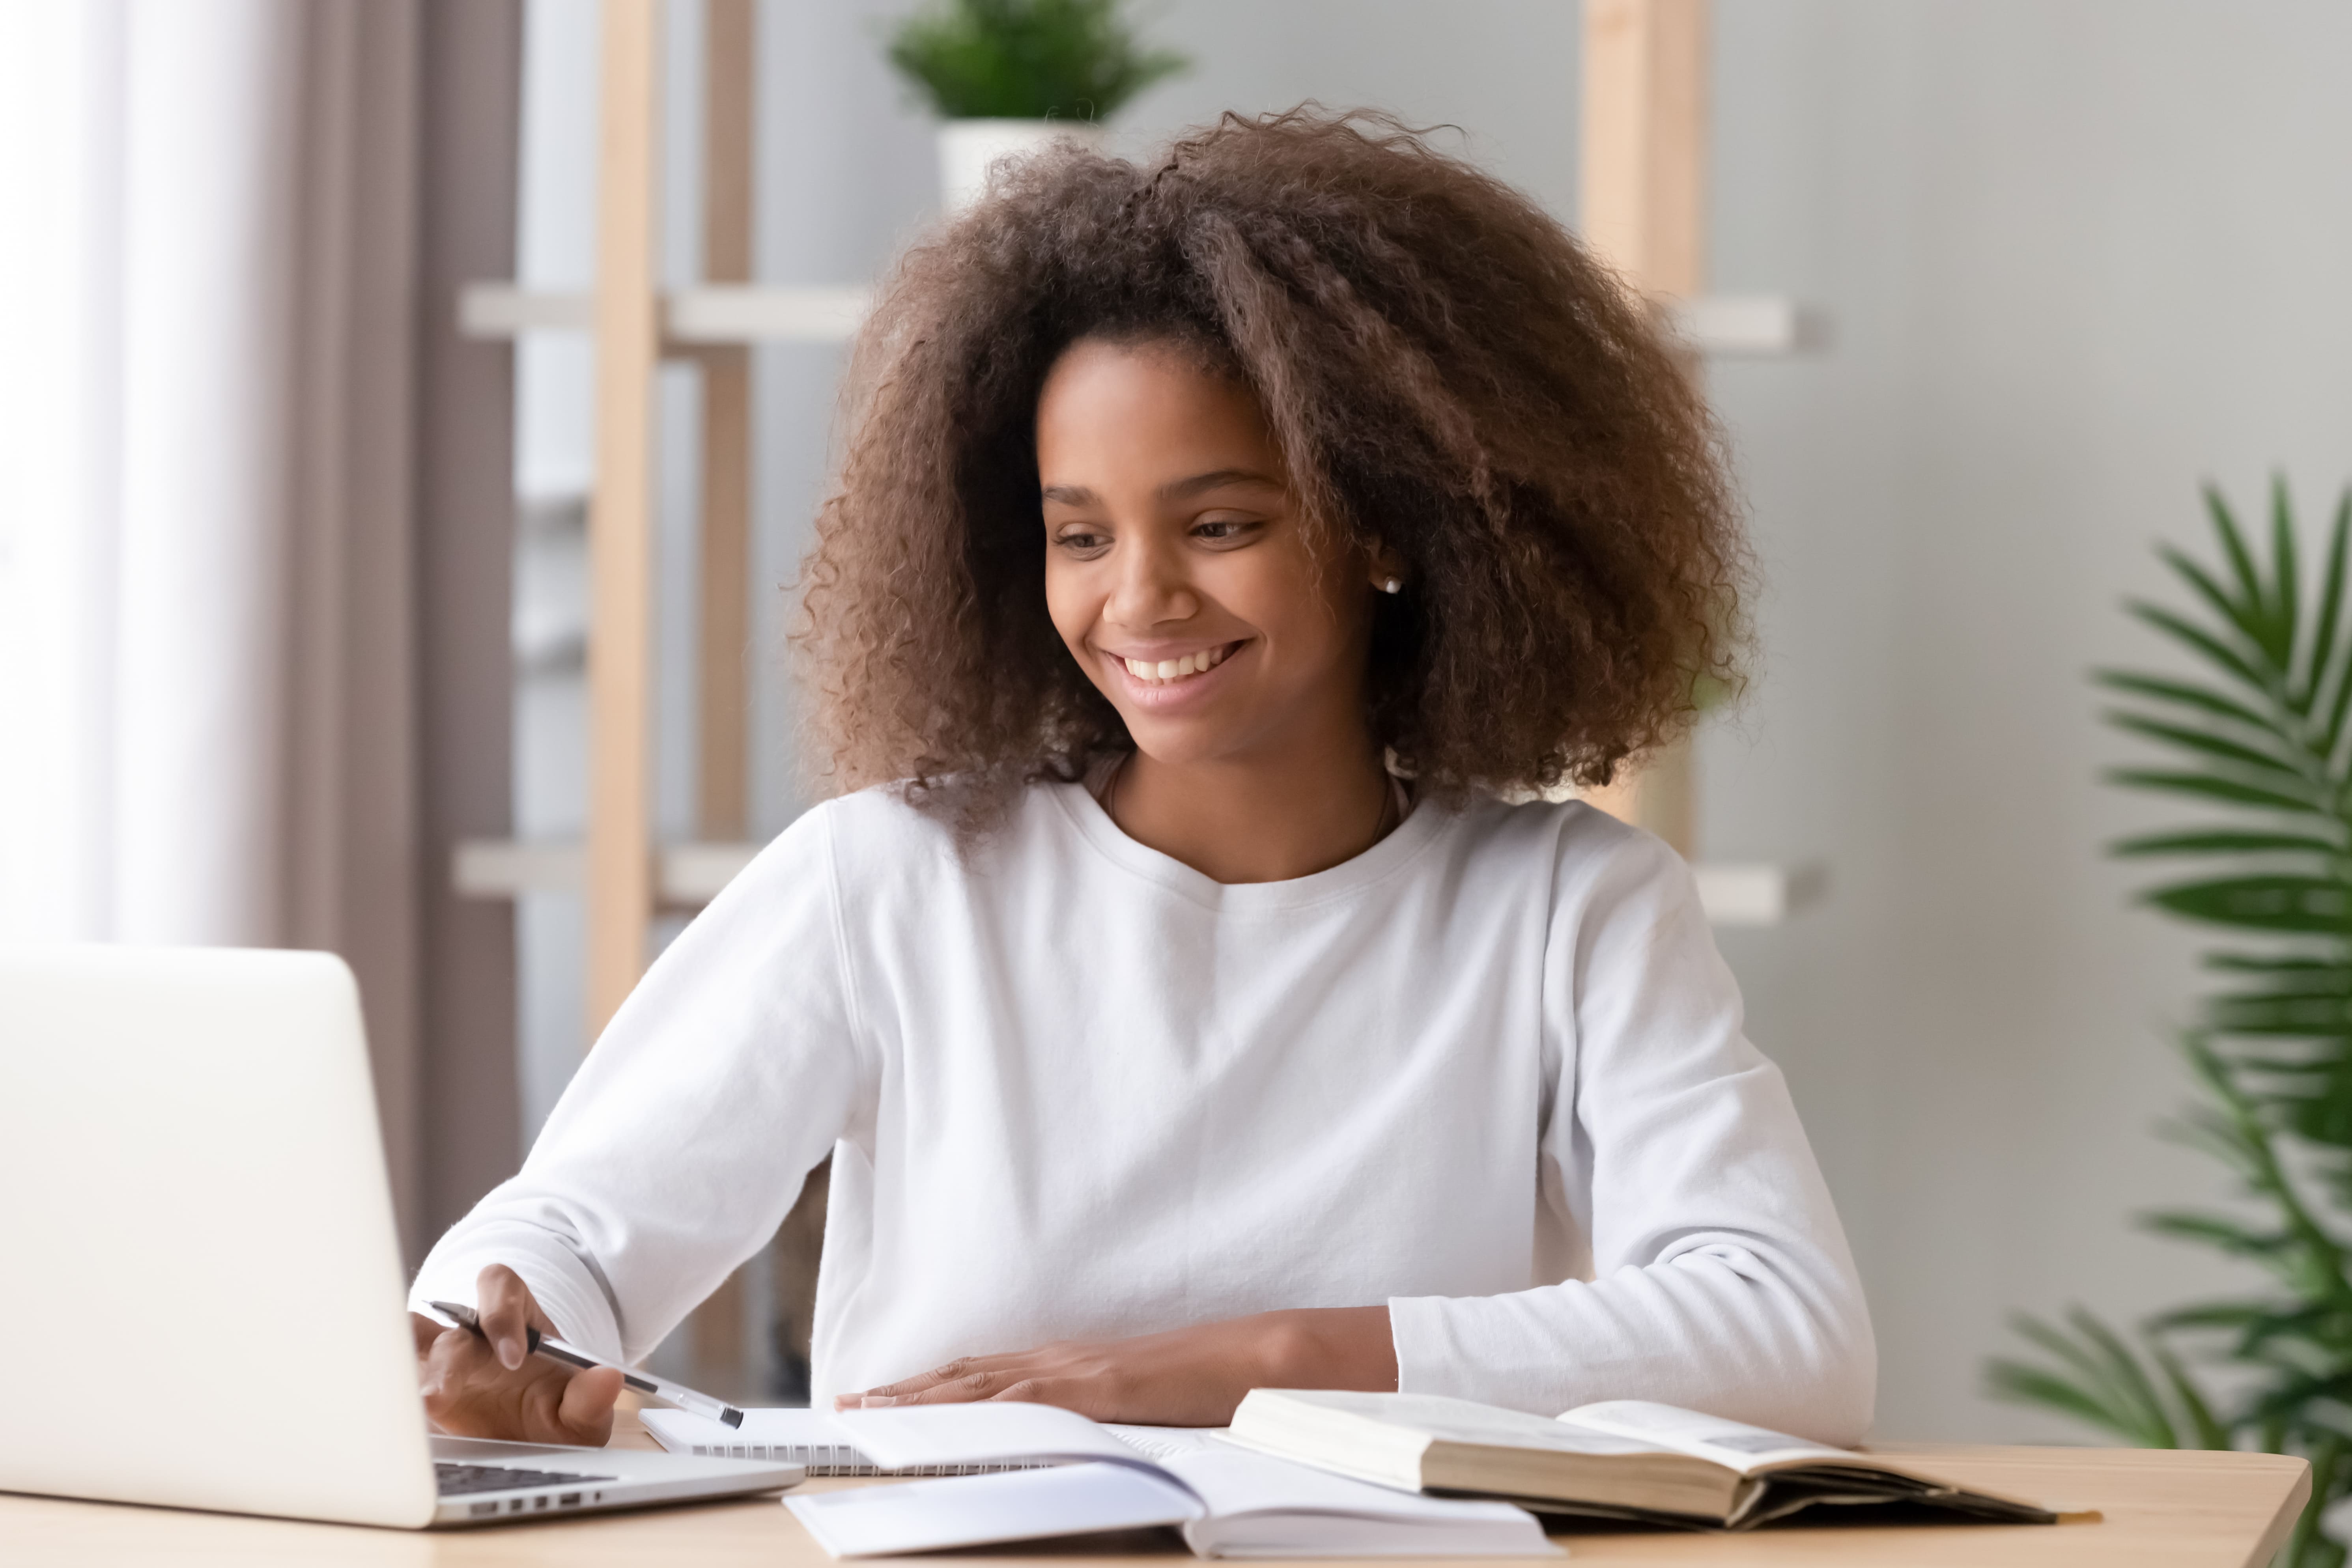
<point x="2072" y="255"/>
<point x="2077" y="258"/>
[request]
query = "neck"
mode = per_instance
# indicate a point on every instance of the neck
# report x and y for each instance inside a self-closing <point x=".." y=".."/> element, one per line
<point x="1289" y="813"/>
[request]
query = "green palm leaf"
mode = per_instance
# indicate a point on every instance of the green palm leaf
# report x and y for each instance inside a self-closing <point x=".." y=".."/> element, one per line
<point x="2212" y="786"/>
<point x="2199" y="640"/>
<point x="2160" y="689"/>
<point x="2258" y="730"/>
<point x="2286" y="591"/>
<point x="2223" y="840"/>
<point x="2331" y="605"/>
<point x="2207" y="1428"/>
<point x="2208" y="744"/>
<point x="2268" y="903"/>
<point x="2252" y="601"/>
<point x="2250" y="617"/>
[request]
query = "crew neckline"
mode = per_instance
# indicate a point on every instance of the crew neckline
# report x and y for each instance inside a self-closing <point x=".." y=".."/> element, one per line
<point x="1422" y="824"/>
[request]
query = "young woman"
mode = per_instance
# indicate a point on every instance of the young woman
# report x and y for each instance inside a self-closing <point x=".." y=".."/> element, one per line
<point x="1191" y="988"/>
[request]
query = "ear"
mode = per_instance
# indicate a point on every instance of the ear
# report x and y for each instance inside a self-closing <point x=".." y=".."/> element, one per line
<point x="1386" y="569"/>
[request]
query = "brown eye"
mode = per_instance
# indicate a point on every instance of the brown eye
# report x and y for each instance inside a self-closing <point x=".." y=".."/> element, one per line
<point x="1222" y="530"/>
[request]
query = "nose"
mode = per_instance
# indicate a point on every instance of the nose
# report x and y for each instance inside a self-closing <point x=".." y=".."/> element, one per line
<point x="1154" y="585"/>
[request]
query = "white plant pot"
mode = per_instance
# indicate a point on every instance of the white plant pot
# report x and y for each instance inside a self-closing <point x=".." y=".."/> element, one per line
<point x="970" y="148"/>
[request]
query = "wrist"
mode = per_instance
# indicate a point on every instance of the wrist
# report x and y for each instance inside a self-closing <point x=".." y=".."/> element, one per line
<point x="1328" y="1347"/>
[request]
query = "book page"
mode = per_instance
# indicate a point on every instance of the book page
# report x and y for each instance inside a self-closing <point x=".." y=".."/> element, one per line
<point x="1454" y="1420"/>
<point x="1731" y="1444"/>
<point x="977" y="1510"/>
<point x="1233" y="1481"/>
<point x="1165" y="1443"/>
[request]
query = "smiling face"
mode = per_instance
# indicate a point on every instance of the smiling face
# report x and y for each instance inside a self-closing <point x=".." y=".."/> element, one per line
<point x="1178" y="569"/>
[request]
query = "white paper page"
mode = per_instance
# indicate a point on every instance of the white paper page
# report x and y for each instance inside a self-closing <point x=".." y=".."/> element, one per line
<point x="1732" y="1444"/>
<point x="974" y="1511"/>
<point x="991" y="1431"/>
<point x="1465" y="1421"/>
<point x="1164" y="1443"/>
<point x="1237" y="1481"/>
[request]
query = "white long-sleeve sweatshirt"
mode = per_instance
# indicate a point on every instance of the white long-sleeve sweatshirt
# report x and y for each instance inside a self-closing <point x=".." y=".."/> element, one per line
<point x="1489" y="1072"/>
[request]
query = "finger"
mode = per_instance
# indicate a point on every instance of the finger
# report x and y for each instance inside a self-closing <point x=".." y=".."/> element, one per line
<point x="1027" y="1391"/>
<point x="971" y="1386"/>
<point x="585" y="1410"/>
<point x="504" y="1304"/>
<point x="890" y="1394"/>
<point x="961" y="1367"/>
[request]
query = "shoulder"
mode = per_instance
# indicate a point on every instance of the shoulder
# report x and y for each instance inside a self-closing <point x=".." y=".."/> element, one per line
<point x="1590" y="860"/>
<point x="1613" y="896"/>
<point x="883" y="835"/>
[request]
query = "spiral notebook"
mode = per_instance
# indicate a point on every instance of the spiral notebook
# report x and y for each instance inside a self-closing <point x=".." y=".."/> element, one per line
<point x="794" y="1435"/>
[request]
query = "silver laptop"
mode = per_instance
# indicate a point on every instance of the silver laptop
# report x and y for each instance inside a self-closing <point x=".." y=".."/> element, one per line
<point x="203" y="1302"/>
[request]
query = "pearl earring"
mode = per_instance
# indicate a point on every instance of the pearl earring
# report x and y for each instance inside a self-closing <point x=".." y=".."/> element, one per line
<point x="1393" y="585"/>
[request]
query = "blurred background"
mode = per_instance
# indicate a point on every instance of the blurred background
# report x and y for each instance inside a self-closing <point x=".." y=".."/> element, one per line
<point x="296" y="601"/>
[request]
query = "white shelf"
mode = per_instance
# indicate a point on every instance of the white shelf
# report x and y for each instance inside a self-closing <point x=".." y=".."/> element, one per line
<point x="1724" y="325"/>
<point x="690" y="875"/>
<point x="1740" y="325"/>
<point x="741" y="315"/>
<point x="712" y="314"/>
<point x="1735" y="893"/>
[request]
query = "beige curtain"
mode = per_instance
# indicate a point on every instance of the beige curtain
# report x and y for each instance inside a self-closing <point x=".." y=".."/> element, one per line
<point x="210" y="663"/>
<point x="350" y="865"/>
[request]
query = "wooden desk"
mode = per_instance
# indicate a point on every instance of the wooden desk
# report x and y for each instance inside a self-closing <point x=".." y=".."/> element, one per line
<point x="2163" y="1509"/>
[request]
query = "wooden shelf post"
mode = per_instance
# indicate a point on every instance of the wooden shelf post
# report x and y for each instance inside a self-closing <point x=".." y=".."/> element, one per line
<point x="1644" y="198"/>
<point x="724" y="697"/>
<point x="620" y="517"/>
<point x="720" y="1326"/>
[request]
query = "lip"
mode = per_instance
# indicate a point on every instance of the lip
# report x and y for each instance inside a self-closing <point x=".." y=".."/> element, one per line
<point x="1164" y="696"/>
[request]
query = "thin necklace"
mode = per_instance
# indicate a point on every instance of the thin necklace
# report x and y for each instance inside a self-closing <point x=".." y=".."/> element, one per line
<point x="1392" y="800"/>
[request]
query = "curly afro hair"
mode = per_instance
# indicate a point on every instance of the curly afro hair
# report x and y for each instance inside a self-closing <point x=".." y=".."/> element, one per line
<point x="1447" y="372"/>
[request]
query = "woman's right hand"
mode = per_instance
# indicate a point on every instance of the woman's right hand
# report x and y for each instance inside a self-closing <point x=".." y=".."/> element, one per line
<point x="489" y="1385"/>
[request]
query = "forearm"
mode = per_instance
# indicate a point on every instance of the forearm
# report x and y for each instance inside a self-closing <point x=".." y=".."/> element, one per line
<point x="1749" y="1335"/>
<point x="1325" y="1347"/>
<point x="1181" y="1377"/>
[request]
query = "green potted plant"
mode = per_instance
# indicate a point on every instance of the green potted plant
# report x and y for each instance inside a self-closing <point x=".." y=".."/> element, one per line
<point x="2260" y="740"/>
<point x="1007" y="77"/>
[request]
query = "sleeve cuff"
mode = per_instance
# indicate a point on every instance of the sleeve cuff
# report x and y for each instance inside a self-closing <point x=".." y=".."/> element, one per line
<point x="562" y="1286"/>
<point x="1424" y="1342"/>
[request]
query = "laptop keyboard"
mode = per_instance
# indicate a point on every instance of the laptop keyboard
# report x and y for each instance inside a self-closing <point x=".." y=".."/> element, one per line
<point x="457" y="1481"/>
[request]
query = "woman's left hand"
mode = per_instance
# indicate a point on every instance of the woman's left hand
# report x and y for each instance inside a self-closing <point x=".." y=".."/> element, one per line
<point x="1185" y="1377"/>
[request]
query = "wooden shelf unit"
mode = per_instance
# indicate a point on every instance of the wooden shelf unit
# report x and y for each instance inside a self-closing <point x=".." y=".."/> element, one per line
<point x="1645" y="184"/>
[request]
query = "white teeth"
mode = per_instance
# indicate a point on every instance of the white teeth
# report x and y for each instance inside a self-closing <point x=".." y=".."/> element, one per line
<point x="1175" y="669"/>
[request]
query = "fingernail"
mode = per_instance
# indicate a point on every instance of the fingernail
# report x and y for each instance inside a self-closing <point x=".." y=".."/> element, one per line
<point x="509" y="1354"/>
<point x="877" y="1401"/>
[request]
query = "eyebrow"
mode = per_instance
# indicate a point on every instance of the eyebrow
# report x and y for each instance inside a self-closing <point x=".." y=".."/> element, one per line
<point x="1174" y="490"/>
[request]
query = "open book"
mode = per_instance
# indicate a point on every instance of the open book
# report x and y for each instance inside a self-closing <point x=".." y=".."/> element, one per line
<point x="1626" y="1458"/>
<point x="1225" y="1502"/>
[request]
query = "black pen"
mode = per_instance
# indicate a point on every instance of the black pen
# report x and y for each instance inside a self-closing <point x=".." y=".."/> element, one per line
<point x="554" y="1349"/>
